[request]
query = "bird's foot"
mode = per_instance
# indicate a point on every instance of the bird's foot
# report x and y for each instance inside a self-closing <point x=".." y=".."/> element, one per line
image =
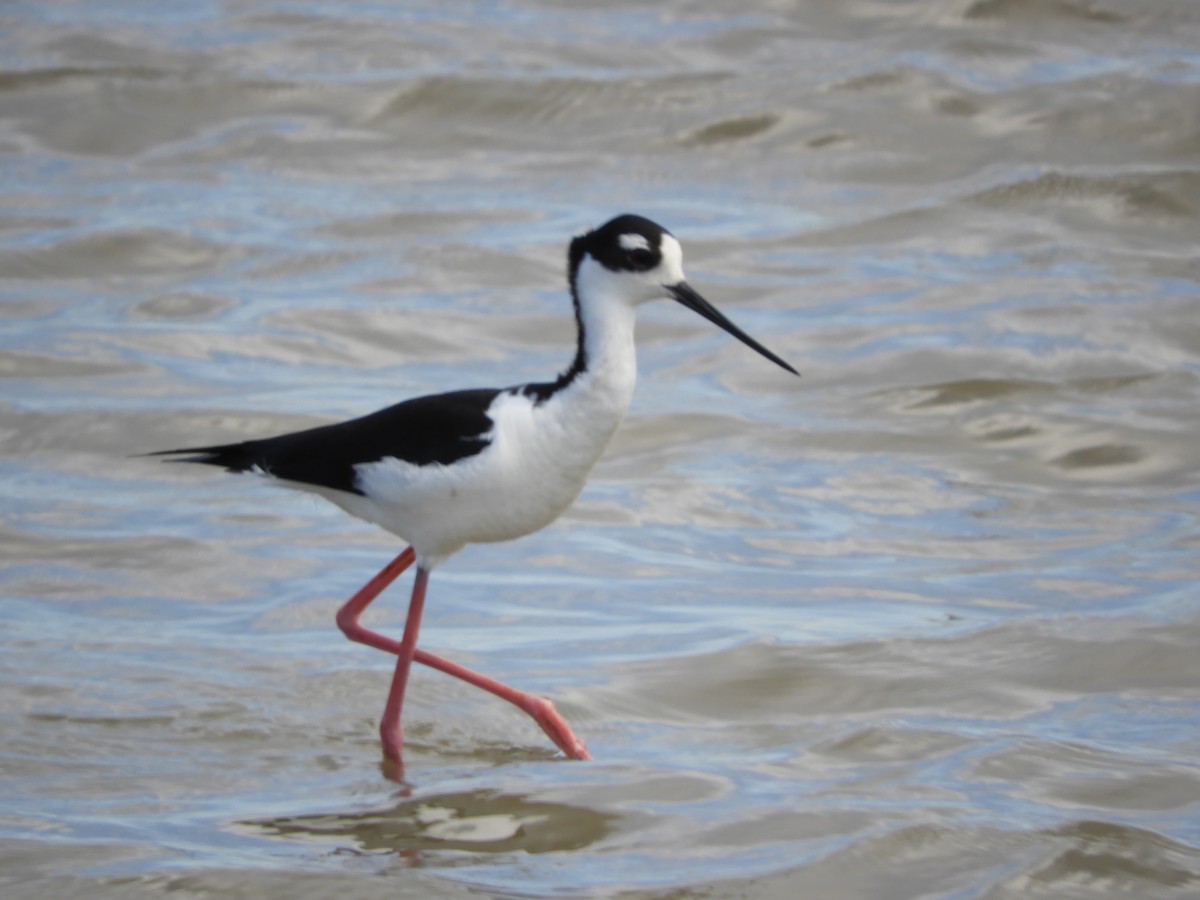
<point x="556" y="728"/>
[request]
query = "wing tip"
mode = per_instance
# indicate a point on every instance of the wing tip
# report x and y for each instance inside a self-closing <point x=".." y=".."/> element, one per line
<point x="223" y="455"/>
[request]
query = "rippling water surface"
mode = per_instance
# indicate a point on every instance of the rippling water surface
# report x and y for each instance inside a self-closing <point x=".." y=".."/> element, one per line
<point x="921" y="623"/>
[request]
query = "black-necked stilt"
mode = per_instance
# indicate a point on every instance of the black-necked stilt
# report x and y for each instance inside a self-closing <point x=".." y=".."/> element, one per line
<point x="486" y="465"/>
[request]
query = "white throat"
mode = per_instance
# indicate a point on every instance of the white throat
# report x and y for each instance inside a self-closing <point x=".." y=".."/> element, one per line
<point x="607" y="315"/>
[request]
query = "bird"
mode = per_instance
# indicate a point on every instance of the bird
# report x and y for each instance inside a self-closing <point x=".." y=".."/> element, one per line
<point x="484" y="465"/>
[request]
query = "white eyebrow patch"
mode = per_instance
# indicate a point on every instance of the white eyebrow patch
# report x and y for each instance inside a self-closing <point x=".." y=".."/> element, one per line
<point x="633" y="242"/>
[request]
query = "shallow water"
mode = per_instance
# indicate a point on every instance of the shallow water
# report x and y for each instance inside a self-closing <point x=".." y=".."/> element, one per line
<point x="921" y="623"/>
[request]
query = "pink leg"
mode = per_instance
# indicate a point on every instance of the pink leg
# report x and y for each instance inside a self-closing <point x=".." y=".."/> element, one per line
<point x="541" y="710"/>
<point x="390" y="731"/>
<point x="347" y="616"/>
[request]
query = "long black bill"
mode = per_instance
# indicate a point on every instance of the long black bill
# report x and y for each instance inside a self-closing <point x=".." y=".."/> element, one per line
<point x="685" y="294"/>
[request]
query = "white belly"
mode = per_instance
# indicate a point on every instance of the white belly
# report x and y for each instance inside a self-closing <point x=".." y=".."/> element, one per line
<point x="535" y="466"/>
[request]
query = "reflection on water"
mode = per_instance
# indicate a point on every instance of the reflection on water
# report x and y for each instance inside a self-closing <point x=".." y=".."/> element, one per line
<point x="920" y="623"/>
<point x="479" y="822"/>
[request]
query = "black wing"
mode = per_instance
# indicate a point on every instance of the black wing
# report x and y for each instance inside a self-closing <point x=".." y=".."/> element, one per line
<point x="441" y="428"/>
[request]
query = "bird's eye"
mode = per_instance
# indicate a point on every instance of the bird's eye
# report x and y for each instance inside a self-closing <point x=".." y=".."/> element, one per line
<point x="640" y="258"/>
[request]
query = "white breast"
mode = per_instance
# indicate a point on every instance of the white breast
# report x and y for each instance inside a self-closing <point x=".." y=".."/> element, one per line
<point x="535" y="465"/>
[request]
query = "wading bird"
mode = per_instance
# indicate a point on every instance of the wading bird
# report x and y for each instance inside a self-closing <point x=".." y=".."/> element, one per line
<point x="485" y="465"/>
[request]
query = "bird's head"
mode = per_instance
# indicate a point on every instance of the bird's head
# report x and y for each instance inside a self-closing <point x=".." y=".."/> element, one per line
<point x="632" y="260"/>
